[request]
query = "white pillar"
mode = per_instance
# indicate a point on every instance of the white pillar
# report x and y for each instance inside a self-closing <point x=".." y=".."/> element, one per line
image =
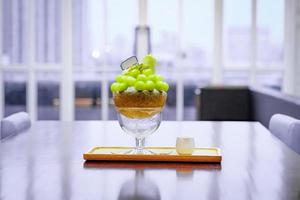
<point x="179" y="66"/>
<point x="296" y="73"/>
<point x="104" y="85"/>
<point x="31" y="94"/>
<point x="67" y="84"/>
<point x="218" y="43"/>
<point x="1" y="72"/>
<point x="253" y="42"/>
<point x="291" y="48"/>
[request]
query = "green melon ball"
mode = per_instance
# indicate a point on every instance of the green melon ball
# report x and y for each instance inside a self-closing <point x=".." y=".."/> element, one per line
<point x="134" y="73"/>
<point x="120" y="78"/>
<point x="142" y="77"/>
<point x="149" y="85"/>
<point x="159" y="78"/>
<point x="155" y="78"/>
<point x="162" y="86"/>
<point x="152" y="77"/>
<point x="130" y="80"/>
<point x="139" y="85"/>
<point x="123" y="86"/>
<point x="149" y="61"/>
<point x="147" y="72"/>
<point x="115" y="87"/>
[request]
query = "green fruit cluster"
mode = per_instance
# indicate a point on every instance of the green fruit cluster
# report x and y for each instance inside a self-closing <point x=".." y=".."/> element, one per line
<point x="141" y="77"/>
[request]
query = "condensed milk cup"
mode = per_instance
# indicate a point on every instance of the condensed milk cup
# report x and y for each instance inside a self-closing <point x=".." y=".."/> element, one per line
<point x="185" y="145"/>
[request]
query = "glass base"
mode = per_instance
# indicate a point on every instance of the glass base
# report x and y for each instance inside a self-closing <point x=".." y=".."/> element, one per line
<point x="139" y="151"/>
<point x="139" y="148"/>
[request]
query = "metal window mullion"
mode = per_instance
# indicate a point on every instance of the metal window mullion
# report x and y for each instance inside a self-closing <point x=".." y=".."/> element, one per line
<point x="31" y="94"/>
<point x="253" y="42"/>
<point x="218" y="43"/>
<point x="179" y="80"/>
<point x="104" y="85"/>
<point x="67" y="84"/>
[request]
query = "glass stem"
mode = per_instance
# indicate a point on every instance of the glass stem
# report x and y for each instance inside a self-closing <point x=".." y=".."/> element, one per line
<point x="139" y="144"/>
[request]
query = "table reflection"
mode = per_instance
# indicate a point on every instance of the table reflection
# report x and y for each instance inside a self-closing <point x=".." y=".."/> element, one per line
<point x="143" y="183"/>
<point x="139" y="188"/>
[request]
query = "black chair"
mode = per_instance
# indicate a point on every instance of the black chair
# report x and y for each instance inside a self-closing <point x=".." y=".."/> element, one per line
<point x="225" y="104"/>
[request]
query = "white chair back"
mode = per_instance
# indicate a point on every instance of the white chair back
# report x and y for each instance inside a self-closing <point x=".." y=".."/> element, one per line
<point x="287" y="129"/>
<point x="14" y="124"/>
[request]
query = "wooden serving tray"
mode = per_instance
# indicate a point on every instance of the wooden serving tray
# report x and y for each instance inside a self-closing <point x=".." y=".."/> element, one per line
<point x="162" y="154"/>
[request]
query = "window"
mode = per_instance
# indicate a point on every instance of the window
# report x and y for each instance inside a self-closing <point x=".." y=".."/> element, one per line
<point x="122" y="19"/>
<point x="270" y="17"/>
<point x="163" y="19"/>
<point x="103" y="34"/>
<point x="197" y="51"/>
<point x="15" y="92"/>
<point x="88" y="33"/>
<point x="103" y="37"/>
<point x="48" y="99"/>
<point x="237" y="33"/>
<point x="197" y="33"/>
<point x="47" y="31"/>
<point x="14" y="32"/>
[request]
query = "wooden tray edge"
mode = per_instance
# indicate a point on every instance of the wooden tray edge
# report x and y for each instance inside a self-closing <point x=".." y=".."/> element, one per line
<point x="152" y="158"/>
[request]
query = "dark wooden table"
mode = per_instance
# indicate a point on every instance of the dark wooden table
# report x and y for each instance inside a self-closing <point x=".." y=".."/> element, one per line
<point x="46" y="163"/>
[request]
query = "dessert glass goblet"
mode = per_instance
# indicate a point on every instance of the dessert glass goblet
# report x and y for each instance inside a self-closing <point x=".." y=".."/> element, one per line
<point x="139" y="118"/>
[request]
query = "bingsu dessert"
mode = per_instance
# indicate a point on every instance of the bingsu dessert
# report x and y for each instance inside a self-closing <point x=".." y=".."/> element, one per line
<point x="138" y="92"/>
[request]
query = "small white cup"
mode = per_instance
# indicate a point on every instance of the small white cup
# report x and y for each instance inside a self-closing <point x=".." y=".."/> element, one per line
<point x="185" y="145"/>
